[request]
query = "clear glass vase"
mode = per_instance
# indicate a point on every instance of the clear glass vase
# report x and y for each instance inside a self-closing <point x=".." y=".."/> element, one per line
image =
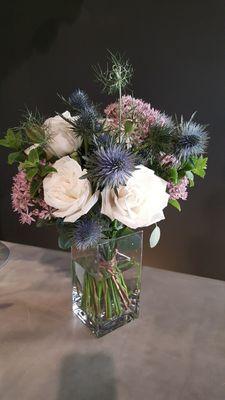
<point x="107" y="282"/>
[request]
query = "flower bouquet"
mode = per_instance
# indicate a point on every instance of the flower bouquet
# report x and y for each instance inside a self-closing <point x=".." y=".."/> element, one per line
<point x="99" y="178"/>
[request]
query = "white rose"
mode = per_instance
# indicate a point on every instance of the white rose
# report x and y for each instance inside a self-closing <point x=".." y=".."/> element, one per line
<point x="62" y="139"/>
<point x="140" y="202"/>
<point x="64" y="190"/>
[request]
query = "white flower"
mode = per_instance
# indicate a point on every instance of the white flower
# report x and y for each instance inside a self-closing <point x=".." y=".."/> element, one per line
<point x="34" y="146"/>
<point x="140" y="202"/>
<point x="62" y="139"/>
<point x="64" y="190"/>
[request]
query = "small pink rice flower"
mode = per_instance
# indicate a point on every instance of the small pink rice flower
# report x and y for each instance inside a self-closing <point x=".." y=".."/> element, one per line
<point x="169" y="160"/>
<point x="29" y="210"/>
<point x="140" y="113"/>
<point x="178" y="191"/>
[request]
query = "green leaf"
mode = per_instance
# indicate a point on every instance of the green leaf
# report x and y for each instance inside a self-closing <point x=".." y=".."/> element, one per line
<point x="175" y="204"/>
<point x="155" y="236"/>
<point x="64" y="240"/>
<point x="12" y="140"/>
<point x="47" y="169"/>
<point x="75" y="156"/>
<point x="190" y="177"/>
<point x="33" y="156"/>
<point x="34" y="187"/>
<point x="128" y="126"/>
<point x="17" y="156"/>
<point x="35" y="133"/>
<point x="173" y="175"/>
<point x="200" y="165"/>
<point x="30" y="173"/>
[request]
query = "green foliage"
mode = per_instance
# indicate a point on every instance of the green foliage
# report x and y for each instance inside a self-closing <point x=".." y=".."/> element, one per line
<point x="65" y="238"/>
<point x="190" y="177"/>
<point x="33" y="128"/>
<point x="35" y="186"/>
<point x="116" y="76"/>
<point x="199" y="166"/>
<point x="17" y="156"/>
<point x="35" y="169"/>
<point x="128" y="126"/>
<point x="175" y="203"/>
<point x="155" y="237"/>
<point x="12" y="140"/>
<point x="173" y="175"/>
<point x="160" y="140"/>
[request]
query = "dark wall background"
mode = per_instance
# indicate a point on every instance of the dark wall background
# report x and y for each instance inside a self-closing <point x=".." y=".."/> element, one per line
<point x="178" y="52"/>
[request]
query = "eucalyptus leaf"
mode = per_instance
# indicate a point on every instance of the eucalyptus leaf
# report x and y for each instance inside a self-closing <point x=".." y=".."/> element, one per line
<point x="190" y="177"/>
<point x="175" y="204"/>
<point x="155" y="236"/>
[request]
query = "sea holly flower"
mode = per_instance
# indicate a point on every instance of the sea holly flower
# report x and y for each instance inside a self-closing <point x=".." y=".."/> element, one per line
<point x="192" y="140"/>
<point x="87" y="233"/>
<point x="110" y="165"/>
<point x="79" y="100"/>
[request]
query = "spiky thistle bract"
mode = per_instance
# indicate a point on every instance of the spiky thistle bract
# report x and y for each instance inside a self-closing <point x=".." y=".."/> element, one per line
<point x="87" y="233"/>
<point x="192" y="139"/>
<point x="79" y="100"/>
<point x="110" y="165"/>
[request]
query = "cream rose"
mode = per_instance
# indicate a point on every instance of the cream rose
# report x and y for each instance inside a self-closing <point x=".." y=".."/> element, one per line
<point x="139" y="203"/>
<point x="62" y="139"/>
<point x="64" y="190"/>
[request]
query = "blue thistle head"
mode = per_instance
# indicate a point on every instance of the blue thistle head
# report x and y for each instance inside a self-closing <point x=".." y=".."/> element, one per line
<point x="79" y="100"/>
<point x="87" y="123"/>
<point x="110" y="165"/>
<point x="192" y="140"/>
<point x="87" y="233"/>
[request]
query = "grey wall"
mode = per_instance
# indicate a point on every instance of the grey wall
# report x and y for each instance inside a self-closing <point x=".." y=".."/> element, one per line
<point x="177" y="49"/>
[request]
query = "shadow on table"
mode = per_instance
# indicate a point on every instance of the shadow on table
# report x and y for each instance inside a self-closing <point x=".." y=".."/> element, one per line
<point x="87" y="377"/>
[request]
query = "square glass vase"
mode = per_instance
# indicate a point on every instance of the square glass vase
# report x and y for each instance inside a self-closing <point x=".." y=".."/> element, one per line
<point x="107" y="282"/>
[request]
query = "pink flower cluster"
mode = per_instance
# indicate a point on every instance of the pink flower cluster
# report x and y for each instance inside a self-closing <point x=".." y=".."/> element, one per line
<point x="140" y="113"/>
<point x="178" y="191"/>
<point x="28" y="209"/>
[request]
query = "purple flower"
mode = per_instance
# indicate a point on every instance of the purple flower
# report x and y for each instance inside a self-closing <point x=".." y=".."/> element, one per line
<point x="110" y="165"/>
<point x="178" y="191"/>
<point x="28" y="209"/>
<point x="192" y="140"/>
<point x="142" y="115"/>
<point x="87" y="233"/>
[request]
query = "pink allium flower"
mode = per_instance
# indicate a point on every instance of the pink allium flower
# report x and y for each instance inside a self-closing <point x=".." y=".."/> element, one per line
<point x="28" y="209"/>
<point x="178" y="191"/>
<point x="140" y="113"/>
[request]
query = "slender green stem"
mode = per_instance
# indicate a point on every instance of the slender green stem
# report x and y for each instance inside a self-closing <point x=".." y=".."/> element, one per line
<point x="120" y="112"/>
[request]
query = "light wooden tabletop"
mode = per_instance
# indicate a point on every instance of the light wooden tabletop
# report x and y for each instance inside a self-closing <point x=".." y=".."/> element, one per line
<point x="174" y="351"/>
